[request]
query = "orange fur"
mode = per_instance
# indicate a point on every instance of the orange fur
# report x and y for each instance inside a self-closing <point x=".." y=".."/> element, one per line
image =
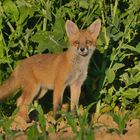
<point x="38" y="73"/>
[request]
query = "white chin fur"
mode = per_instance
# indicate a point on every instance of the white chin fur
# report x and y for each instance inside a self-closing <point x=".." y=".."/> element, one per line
<point x="83" y="53"/>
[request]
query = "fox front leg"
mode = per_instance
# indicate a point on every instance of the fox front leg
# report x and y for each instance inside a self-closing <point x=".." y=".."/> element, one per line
<point x="58" y="98"/>
<point x="75" y="95"/>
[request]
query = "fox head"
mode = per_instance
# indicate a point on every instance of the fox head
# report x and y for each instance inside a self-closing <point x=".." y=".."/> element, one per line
<point x="83" y="42"/>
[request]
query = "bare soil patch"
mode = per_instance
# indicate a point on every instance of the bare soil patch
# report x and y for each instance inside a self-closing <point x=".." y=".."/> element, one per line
<point x="101" y="130"/>
<point x="102" y="127"/>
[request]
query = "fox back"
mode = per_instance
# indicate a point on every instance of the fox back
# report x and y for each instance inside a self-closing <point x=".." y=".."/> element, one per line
<point x="39" y="73"/>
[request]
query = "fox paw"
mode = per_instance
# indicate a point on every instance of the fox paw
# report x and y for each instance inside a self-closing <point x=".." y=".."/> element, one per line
<point x="19" y="124"/>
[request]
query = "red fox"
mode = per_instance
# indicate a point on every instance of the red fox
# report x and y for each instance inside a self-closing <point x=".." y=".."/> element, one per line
<point x="39" y="73"/>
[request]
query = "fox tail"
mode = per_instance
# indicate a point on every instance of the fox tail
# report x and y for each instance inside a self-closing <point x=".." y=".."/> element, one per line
<point x="8" y="87"/>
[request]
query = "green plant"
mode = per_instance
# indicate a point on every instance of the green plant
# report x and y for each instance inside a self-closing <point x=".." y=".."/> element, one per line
<point x="5" y="123"/>
<point x="38" y="130"/>
<point x="80" y="125"/>
<point x="119" y="80"/>
<point x="121" y="120"/>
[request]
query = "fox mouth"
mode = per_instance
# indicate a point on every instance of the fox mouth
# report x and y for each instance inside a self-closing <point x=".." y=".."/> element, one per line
<point x="83" y="51"/>
<point x="83" y="54"/>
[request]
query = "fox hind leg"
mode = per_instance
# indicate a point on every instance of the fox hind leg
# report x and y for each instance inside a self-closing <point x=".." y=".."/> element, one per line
<point x="28" y="94"/>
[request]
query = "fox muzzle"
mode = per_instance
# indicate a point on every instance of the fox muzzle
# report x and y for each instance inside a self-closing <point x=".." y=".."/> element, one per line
<point x="83" y="51"/>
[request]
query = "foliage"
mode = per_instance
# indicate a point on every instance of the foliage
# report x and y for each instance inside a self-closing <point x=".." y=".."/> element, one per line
<point x="121" y="120"/>
<point x="40" y="133"/>
<point x="29" y="27"/>
<point x="119" y="81"/>
<point x="83" y="130"/>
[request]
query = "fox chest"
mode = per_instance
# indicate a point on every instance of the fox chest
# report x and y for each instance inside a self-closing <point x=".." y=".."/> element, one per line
<point x="77" y="73"/>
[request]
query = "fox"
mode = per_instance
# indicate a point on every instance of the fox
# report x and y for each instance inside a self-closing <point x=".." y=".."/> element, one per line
<point x="39" y="73"/>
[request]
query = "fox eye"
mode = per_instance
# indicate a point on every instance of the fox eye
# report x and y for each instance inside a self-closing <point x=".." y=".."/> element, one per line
<point x="76" y="42"/>
<point x="88" y="42"/>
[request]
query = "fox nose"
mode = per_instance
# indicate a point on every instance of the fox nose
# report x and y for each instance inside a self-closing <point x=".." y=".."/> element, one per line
<point x="82" y="49"/>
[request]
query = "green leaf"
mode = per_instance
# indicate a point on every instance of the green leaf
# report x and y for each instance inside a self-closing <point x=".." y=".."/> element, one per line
<point x="11" y="10"/>
<point x="134" y="49"/>
<point x="59" y="29"/>
<point x="47" y="12"/>
<point x="125" y="102"/>
<point x="42" y="119"/>
<point x="117" y="66"/>
<point x="1" y="22"/>
<point x="110" y="74"/>
<point x="86" y="112"/>
<point x="111" y="90"/>
<point x="119" y="120"/>
<point x="116" y="118"/>
<point x="71" y="122"/>
<point x="131" y="93"/>
<point x="24" y="13"/>
<point x="1" y="137"/>
<point x="113" y="55"/>
<point x="83" y="4"/>
<point x="137" y="77"/>
<point x="1" y="47"/>
<point x="46" y="41"/>
<point x="107" y="99"/>
<point x="125" y="78"/>
<point x="138" y="48"/>
<point x="117" y="36"/>
<point x="51" y="129"/>
<point x="32" y="132"/>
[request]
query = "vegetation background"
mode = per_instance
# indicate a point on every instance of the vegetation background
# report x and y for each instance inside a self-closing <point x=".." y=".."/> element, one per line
<point x="29" y="27"/>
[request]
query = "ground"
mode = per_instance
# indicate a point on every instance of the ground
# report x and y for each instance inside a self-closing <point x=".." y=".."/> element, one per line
<point x="105" y="122"/>
<point x="102" y="130"/>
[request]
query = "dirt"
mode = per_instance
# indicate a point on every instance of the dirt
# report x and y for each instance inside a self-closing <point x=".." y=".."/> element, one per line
<point x="132" y="130"/>
<point x="102" y="126"/>
<point x="101" y="131"/>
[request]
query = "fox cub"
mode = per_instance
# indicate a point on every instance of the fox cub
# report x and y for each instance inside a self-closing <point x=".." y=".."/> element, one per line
<point x="39" y="73"/>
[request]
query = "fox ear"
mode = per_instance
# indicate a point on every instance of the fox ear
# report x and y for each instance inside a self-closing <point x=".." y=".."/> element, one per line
<point x="95" y="28"/>
<point x="71" y="28"/>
